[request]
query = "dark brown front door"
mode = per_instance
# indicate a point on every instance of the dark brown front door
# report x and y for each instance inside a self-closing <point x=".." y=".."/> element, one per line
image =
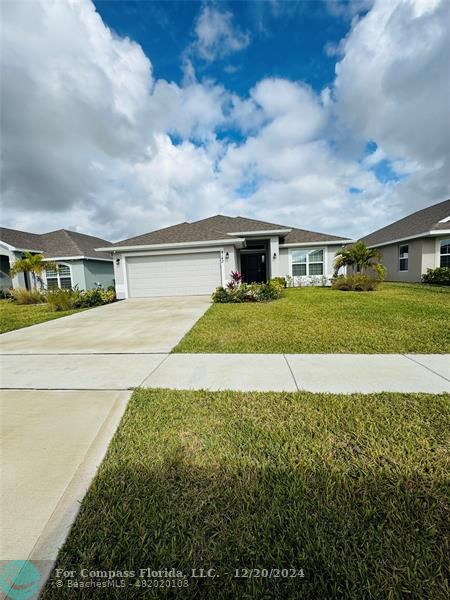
<point x="253" y="267"/>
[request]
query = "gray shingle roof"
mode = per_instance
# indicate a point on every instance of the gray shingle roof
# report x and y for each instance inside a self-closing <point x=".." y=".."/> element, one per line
<point x="420" y="222"/>
<point x="55" y="243"/>
<point x="221" y="227"/>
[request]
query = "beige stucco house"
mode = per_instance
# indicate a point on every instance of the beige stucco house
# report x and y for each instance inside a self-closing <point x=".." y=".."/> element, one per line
<point x="415" y="243"/>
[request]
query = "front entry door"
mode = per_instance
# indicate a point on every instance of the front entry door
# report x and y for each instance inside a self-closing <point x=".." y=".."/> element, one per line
<point x="253" y="267"/>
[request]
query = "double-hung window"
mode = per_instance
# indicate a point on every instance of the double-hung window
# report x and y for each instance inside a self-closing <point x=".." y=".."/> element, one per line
<point x="59" y="278"/>
<point x="445" y="253"/>
<point x="403" y="257"/>
<point x="307" y="262"/>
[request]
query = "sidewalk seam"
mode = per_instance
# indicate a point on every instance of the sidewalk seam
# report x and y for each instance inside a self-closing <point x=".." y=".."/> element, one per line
<point x="409" y="357"/>
<point x="154" y="369"/>
<point x="292" y="372"/>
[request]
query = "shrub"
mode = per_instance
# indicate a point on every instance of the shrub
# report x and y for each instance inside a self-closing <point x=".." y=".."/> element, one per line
<point x="254" y="292"/>
<point x="281" y="280"/>
<point x="63" y="299"/>
<point x="108" y="295"/>
<point x="355" y="283"/>
<point x="90" y="298"/>
<point x="24" y="296"/>
<point x="439" y="276"/>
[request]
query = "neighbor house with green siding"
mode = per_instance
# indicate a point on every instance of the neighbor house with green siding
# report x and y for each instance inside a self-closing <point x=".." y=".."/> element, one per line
<point x="79" y="264"/>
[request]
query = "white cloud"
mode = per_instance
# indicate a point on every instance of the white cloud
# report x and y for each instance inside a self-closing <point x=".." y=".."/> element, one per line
<point x="216" y="36"/>
<point x="87" y="128"/>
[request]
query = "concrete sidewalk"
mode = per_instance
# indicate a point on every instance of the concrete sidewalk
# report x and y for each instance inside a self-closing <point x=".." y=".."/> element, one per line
<point x="334" y="373"/>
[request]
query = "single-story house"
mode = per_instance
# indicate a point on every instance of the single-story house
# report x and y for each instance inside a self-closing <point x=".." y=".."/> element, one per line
<point x="195" y="258"/>
<point x="415" y="243"/>
<point x="74" y="253"/>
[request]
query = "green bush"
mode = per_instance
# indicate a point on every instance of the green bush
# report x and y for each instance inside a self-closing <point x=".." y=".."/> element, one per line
<point x="63" y="299"/>
<point x="439" y="276"/>
<point x="108" y="295"/>
<point x="70" y="299"/>
<point x="90" y="298"/>
<point x="253" y="292"/>
<point x="279" y="280"/>
<point x="24" y="296"/>
<point x="355" y="283"/>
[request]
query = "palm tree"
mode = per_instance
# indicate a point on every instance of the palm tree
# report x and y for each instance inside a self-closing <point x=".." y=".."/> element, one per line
<point x="33" y="264"/>
<point x="361" y="257"/>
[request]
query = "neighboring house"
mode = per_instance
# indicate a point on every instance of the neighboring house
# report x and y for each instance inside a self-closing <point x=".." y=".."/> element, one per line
<point x="195" y="258"/>
<point x="414" y="244"/>
<point x="78" y="262"/>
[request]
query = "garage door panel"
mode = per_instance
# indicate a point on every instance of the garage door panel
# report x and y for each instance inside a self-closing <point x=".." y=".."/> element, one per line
<point x="173" y="275"/>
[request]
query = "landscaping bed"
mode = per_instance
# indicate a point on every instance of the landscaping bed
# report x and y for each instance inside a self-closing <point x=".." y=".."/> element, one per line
<point x="349" y="489"/>
<point x="15" y="316"/>
<point x="398" y="318"/>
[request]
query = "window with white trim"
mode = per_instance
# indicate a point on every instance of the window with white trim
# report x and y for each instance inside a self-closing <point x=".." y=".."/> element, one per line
<point x="61" y="278"/>
<point x="445" y="253"/>
<point x="309" y="261"/>
<point x="403" y="253"/>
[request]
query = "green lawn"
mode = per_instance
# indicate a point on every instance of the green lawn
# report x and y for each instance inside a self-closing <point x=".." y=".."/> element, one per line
<point x="396" y="318"/>
<point x="351" y="489"/>
<point x="15" y="316"/>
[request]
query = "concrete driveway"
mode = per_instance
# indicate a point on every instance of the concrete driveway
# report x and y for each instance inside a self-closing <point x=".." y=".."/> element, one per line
<point x="64" y="390"/>
<point x="144" y="326"/>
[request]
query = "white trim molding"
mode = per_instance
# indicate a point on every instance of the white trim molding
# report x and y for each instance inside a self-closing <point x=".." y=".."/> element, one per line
<point x="50" y="259"/>
<point x="262" y="233"/>
<point x="229" y="241"/>
<point x="306" y="244"/>
<point x="432" y="233"/>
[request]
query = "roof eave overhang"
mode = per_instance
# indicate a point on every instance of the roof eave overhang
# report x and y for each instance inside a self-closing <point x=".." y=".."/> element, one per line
<point x="16" y="249"/>
<point x="223" y="242"/>
<point x="432" y="233"/>
<point x="317" y="243"/>
<point x="262" y="233"/>
<point x="53" y="258"/>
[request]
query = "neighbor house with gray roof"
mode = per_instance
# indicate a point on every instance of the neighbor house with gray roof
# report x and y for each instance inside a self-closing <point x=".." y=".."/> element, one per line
<point x="79" y="264"/>
<point x="195" y="258"/>
<point x="415" y="243"/>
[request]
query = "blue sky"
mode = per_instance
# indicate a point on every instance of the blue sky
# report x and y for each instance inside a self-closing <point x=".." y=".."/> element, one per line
<point x="287" y="40"/>
<point x="123" y="117"/>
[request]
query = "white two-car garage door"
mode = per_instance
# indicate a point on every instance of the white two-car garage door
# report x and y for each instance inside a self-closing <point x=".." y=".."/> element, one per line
<point x="173" y="274"/>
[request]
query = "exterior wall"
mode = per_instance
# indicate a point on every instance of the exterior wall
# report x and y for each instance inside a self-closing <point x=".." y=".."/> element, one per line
<point x="118" y="276"/>
<point x="230" y="263"/>
<point x="274" y="263"/>
<point x="98" y="272"/>
<point x="390" y="259"/>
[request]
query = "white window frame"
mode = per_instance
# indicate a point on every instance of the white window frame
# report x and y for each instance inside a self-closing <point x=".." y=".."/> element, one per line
<point x="403" y="258"/>
<point x="441" y="254"/>
<point x="308" y="250"/>
<point x="58" y="276"/>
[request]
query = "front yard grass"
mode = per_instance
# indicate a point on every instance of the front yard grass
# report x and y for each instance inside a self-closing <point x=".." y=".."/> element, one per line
<point x="15" y="316"/>
<point x="351" y="489"/>
<point x="397" y="318"/>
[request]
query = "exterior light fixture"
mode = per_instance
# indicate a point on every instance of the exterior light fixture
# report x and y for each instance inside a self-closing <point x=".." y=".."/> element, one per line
<point x="274" y="255"/>
<point x="227" y="255"/>
<point x="117" y="261"/>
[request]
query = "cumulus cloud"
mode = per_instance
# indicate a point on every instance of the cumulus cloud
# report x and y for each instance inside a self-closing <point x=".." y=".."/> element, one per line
<point x="216" y="36"/>
<point x="94" y="142"/>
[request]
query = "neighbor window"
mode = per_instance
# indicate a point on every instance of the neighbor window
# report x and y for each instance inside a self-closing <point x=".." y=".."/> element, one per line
<point x="445" y="253"/>
<point x="307" y="262"/>
<point x="403" y="253"/>
<point x="61" y="278"/>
